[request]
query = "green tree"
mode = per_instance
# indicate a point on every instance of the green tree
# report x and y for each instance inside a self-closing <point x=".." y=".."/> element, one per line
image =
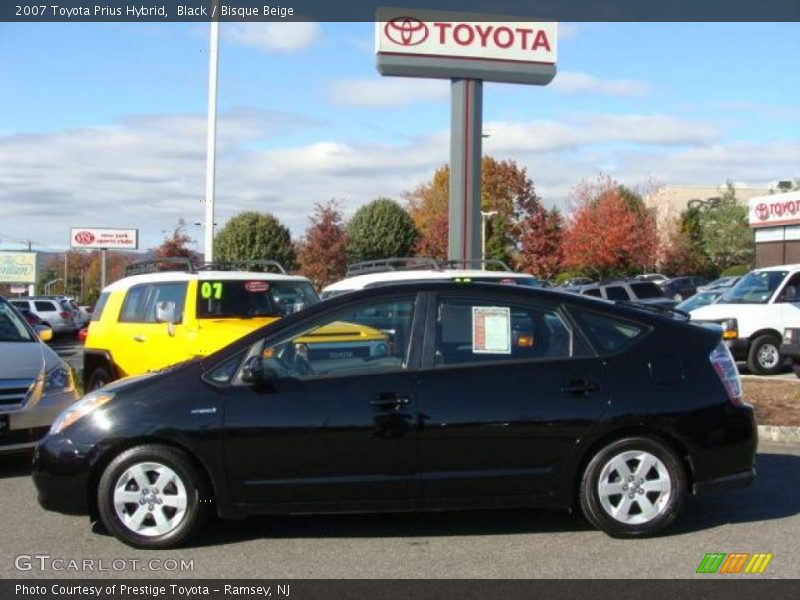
<point x="726" y="235"/>
<point x="380" y="229"/>
<point x="255" y="236"/>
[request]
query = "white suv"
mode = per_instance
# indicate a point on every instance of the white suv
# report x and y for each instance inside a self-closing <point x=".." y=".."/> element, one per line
<point x="394" y="270"/>
<point x="754" y="313"/>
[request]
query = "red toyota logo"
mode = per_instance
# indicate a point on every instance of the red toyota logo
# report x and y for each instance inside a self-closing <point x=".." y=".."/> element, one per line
<point x="406" y="31"/>
<point x="762" y="211"/>
<point x="84" y="237"/>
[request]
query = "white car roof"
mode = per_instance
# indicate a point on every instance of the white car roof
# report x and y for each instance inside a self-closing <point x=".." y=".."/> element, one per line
<point x="780" y="268"/>
<point x="177" y="276"/>
<point x="359" y="282"/>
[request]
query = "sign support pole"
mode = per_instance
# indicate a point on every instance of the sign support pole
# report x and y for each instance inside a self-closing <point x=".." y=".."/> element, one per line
<point x="103" y="254"/>
<point x="466" y="125"/>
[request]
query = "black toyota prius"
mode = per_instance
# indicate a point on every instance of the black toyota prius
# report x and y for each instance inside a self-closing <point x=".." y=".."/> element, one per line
<point x="469" y="396"/>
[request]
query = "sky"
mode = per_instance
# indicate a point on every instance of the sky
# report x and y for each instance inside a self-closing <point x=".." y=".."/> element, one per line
<point x="104" y="125"/>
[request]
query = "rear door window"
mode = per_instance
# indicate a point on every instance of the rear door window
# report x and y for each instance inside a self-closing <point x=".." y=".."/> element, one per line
<point x="45" y="306"/>
<point x="646" y="290"/>
<point x="470" y="331"/>
<point x="617" y="292"/>
<point x="595" y="292"/>
<point x="133" y="308"/>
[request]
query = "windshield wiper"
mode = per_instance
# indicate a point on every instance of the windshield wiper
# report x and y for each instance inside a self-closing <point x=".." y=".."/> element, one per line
<point x="654" y="308"/>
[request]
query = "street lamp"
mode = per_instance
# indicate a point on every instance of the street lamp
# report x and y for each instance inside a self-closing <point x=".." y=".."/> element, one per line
<point x="484" y="215"/>
<point x="211" y="141"/>
<point x="48" y="284"/>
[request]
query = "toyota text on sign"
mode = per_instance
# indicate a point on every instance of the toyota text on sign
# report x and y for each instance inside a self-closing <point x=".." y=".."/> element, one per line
<point x="531" y="42"/>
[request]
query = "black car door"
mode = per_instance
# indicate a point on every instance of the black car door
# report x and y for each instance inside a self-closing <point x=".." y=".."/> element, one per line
<point x="335" y="419"/>
<point x="508" y="387"/>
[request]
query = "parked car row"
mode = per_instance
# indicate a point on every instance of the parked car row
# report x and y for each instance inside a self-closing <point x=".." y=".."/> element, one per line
<point x="388" y="380"/>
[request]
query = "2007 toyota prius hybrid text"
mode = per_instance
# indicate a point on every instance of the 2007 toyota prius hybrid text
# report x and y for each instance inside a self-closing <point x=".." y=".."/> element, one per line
<point x="482" y="396"/>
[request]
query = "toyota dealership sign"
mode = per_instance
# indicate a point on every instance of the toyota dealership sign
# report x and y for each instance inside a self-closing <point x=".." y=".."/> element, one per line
<point x="440" y="44"/>
<point x="774" y="210"/>
<point x="104" y="239"/>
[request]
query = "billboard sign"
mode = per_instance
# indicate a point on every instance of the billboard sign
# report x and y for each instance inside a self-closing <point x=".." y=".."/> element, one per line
<point x="777" y="209"/>
<point x="18" y="267"/>
<point x="415" y="43"/>
<point x="88" y="238"/>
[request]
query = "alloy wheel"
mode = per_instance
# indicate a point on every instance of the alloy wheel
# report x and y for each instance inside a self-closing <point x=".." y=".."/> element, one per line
<point x="768" y="356"/>
<point x="150" y="499"/>
<point x="634" y="487"/>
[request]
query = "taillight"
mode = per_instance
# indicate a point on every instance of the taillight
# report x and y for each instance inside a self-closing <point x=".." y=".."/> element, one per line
<point x="725" y="367"/>
<point x="65" y="315"/>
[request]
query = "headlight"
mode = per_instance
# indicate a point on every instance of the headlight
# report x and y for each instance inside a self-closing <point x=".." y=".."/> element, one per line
<point x="730" y="329"/>
<point x="58" y="379"/>
<point x="85" y="406"/>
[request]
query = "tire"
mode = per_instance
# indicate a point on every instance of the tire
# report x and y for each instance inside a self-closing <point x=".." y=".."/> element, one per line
<point x="641" y="513"/>
<point x="154" y="518"/>
<point x="99" y="377"/>
<point x="764" y="358"/>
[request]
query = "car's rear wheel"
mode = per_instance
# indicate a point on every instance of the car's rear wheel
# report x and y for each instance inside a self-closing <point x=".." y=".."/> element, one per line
<point x="99" y="377"/>
<point x="153" y="497"/>
<point x="633" y="487"/>
<point x="764" y="356"/>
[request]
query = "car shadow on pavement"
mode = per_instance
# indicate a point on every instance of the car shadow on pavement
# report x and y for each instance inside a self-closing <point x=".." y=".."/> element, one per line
<point x="773" y="495"/>
<point x="15" y="465"/>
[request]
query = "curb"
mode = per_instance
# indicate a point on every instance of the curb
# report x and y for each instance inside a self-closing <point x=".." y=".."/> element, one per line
<point x="782" y="434"/>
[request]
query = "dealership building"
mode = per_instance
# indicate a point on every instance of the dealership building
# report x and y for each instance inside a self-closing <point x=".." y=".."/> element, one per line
<point x="775" y="220"/>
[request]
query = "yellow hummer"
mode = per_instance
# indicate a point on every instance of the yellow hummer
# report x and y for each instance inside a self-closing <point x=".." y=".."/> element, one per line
<point x="153" y="318"/>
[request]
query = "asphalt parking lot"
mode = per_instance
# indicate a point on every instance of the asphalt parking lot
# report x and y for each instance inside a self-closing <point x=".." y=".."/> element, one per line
<point x="486" y="544"/>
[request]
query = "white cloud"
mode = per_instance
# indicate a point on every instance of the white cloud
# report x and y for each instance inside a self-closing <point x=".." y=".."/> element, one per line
<point x="148" y="171"/>
<point x="390" y="91"/>
<point x="571" y="82"/>
<point x="274" y="37"/>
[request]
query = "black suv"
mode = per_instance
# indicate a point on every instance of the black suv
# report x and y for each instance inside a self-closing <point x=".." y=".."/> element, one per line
<point x="681" y="288"/>
<point x="484" y="396"/>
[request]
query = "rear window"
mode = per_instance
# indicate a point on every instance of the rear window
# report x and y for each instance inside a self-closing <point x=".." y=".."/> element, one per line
<point x="646" y="290"/>
<point x="98" y="308"/>
<point x="20" y="304"/>
<point x="252" y="298"/>
<point x="595" y="292"/>
<point x="45" y="306"/>
<point x="608" y="334"/>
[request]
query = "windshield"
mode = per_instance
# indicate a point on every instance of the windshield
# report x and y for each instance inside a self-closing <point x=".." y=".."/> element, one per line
<point x="253" y="298"/>
<point x="698" y="300"/>
<point x="756" y="287"/>
<point x="12" y="326"/>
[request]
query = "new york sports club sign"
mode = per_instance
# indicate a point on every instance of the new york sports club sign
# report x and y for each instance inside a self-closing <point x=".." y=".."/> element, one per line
<point x="447" y="45"/>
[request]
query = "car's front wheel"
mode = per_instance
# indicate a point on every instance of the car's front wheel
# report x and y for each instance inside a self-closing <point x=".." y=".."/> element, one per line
<point x="764" y="356"/>
<point x="98" y="378"/>
<point x="153" y="497"/>
<point x="633" y="487"/>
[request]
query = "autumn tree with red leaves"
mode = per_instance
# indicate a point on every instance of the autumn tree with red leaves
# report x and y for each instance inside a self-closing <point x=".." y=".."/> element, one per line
<point x="322" y="251"/>
<point x="610" y="231"/>
<point x="505" y="188"/>
<point x="540" y="243"/>
<point x="176" y="244"/>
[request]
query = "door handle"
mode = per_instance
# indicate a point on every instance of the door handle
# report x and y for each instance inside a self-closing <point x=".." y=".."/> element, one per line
<point x="580" y="386"/>
<point x="139" y="338"/>
<point x="390" y="401"/>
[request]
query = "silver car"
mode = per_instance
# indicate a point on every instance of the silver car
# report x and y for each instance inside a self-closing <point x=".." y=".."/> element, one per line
<point x="54" y="312"/>
<point x="35" y="384"/>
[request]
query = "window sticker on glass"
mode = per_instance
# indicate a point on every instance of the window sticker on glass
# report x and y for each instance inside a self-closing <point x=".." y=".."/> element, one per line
<point x="256" y="287"/>
<point x="491" y="330"/>
<point x="211" y="289"/>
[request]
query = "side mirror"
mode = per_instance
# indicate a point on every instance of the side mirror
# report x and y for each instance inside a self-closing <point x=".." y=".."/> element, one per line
<point x="44" y="332"/>
<point x="165" y="313"/>
<point x="253" y="370"/>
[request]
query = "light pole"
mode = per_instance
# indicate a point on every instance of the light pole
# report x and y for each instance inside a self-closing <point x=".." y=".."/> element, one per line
<point x="484" y="215"/>
<point x="48" y="284"/>
<point x="211" y="142"/>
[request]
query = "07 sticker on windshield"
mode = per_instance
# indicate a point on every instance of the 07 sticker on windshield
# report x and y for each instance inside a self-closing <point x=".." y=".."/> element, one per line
<point x="491" y="330"/>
